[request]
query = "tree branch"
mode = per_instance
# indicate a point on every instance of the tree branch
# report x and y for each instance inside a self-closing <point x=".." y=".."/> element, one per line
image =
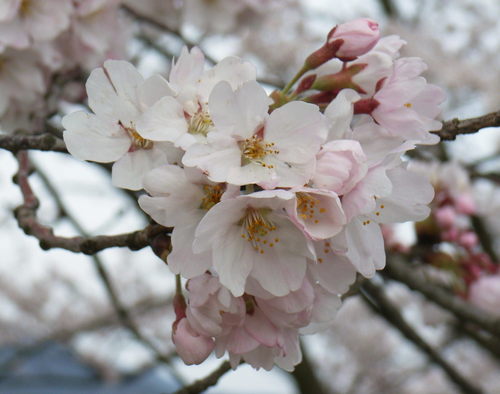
<point x="397" y="270"/>
<point x="454" y="127"/>
<point x="201" y="385"/>
<point x="378" y="301"/>
<point x="121" y="311"/>
<point x="27" y="220"/>
<point x="44" y="142"/>
<point x="304" y="376"/>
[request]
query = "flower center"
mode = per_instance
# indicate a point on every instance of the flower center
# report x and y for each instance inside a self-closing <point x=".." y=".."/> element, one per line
<point x="200" y="123"/>
<point x="25" y="7"/>
<point x="257" y="229"/>
<point x="137" y="141"/>
<point x="255" y="150"/>
<point x="308" y="207"/>
<point x="213" y="194"/>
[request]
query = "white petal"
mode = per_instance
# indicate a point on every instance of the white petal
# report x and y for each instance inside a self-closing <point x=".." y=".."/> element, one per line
<point x="233" y="261"/>
<point x="89" y="138"/>
<point x="230" y="69"/>
<point x="238" y="113"/>
<point x="128" y="172"/>
<point x="298" y="129"/>
<point x="164" y="121"/>
<point x="182" y="260"/>
<point x="153" y="89"/>
<point x="365" y="247"/>
<point x="408" y="200"/>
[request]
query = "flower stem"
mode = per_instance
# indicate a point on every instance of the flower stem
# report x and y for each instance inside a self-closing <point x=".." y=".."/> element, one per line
<point x="289" y="85"/>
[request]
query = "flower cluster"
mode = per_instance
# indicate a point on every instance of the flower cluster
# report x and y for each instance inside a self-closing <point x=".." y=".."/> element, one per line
<point x="275" y="201"/>
<point x="474" y="274"/>
<point x="40" y="39"/>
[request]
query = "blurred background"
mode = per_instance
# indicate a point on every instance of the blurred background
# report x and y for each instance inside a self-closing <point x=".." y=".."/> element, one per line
<point x="59" y="331"/>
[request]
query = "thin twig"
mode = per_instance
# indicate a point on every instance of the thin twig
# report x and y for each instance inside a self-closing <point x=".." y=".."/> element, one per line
<point x="398" y="270"/>
<point x="378" y="301"/>
<point x="121" y="311"/>
<point x="454" y="127"/>
<point x="201" y="385"/>
<point x="27" y="220"/>
<point x="164" y="28"/>
<point x="306" y="379"/>
<point x="44" y="142"/>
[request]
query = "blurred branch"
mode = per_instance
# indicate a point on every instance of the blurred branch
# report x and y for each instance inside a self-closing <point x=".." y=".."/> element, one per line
<point x="121" y="311"/>
<point x="374" y="296"/>
<point x="201" y="385"/>
<point x="304" y="376"/>
<point x="45" y="142"/>
<point x="164" y="28"/>
<point x="388" y="8"/>
<point x="147" y="40"/>
<point x="399" y="271"/>
<point x="484" y="237"/>
<point x="454" y="127"/>
<point x="27" y="220"/>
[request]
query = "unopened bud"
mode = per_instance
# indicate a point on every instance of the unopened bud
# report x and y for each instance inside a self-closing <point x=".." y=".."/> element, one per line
<point x="340" y="80"/>
<point x="305" y="83"/>
<point x="322" y="55"/>
<point x="357" y="37"/>
<point x="191" y="347"/>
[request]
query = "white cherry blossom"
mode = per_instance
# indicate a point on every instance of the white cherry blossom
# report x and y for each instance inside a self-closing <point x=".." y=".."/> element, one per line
<point x="118" y="96"/>
<point x="249" y="146"/>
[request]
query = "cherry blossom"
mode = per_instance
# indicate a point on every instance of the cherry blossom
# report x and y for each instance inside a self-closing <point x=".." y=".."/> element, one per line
<point x="118" y="95"/>
<point x="251" y="236"/>
<point x="249" y="146"/>
<point x="25" y="21"/>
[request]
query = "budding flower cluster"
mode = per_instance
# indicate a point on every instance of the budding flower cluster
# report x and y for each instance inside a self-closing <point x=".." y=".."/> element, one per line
<point x="274" y="207"/>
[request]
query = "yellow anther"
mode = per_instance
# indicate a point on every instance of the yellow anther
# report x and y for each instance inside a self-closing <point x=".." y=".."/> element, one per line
<point x="213" y="194"/>
<point x="200" y="123"/>
<point x="255" y="150"/>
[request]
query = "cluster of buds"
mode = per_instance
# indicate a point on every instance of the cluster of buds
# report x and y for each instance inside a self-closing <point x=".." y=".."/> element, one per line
<point x="473" y="270"/>
<point x="275" y="202"/>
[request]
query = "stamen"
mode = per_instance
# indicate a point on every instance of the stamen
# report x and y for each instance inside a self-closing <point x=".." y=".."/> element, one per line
<point x="200" y="123"/>
<point x="258" y="229"/>
<point x="213" y="194"/>
<point x="308" y="207"/>
<point x="24" y="7"/>
<point x="137" y="141"/>
<point x="255" y="150"/>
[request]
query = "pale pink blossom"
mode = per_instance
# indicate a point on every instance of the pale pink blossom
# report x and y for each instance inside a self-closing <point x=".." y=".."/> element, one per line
<point x="24" y="21"/>
<point x="249" y="146"/>
<point x="251" y="236"/>
<point x="180" y="198"/>
<point x="258" y="327"/>
<point x="183" y="116"/>
<point x="22" y="81"/>
<point x="340" y="165"/>
<point x="318" y="213"/>
<point x="191" y="347"/>
<point x="407" y="104"/>
<point x="118" y="95"/>
<point x="357" y="37"/>
<point x="485" y="294"/>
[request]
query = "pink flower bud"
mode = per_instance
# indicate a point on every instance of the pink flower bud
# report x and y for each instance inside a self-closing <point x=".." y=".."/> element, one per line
<point x="485" y="294"/>
<point x="465" y="204"/>
<point x="191" y="347"/>
<point x="468" y="239"/>
<point x="445" y="216"/>
<point x="341" y="164"/>
<point x="358" y="37"/>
